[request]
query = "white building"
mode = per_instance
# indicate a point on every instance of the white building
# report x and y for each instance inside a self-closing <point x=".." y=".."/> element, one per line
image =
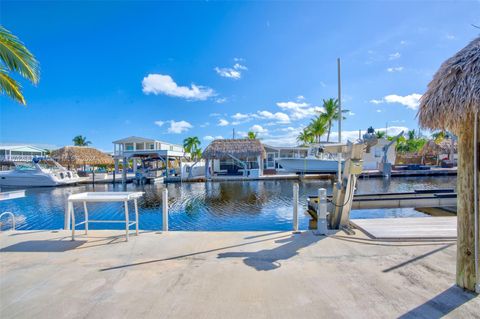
<point x="136" y="148"/>
<point x="19" y="153"/>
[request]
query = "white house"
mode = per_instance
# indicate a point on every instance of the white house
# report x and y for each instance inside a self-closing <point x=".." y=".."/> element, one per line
<point x="19" y="153"/>
<point x="135" y="148"/>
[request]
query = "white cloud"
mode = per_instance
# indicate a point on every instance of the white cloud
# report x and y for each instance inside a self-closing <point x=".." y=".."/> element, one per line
<point x="205" y="124"/>
<point x="280" y="117"/>
<point x="223" y="122"/>
<point x="211" y="138"/>
<point x="394" y="56"/>
<point x="159" y="123"/>
<point x="235" y="72"/>
<point x="301" y="97"/>
<point x="164" y="84"/>
<point x="228" y="73"/>
<point x="179" y="127"/>
<point x="411" y="101"/>
<point x="299" y="110"/>
<point x="258" y="129"/>
<point x="403" y="42"/>
<point x="221" y="100"/>
<point x="240" y="116"/>
<point x="450" y="36"/>
<point x="351" y="113"/>
<point x="395" y="69"/>
<point x="238" y="66"/>
<point x="379" y="111"/>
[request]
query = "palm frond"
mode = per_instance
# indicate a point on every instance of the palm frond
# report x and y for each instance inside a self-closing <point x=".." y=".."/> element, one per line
<point x="17" y="57"/>
<point x="10" y="87"/>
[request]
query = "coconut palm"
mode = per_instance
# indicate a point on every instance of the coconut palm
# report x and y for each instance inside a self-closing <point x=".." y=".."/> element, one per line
<point x="191" y="144"/>
<point x="252" y="135"/>
<point x="80" y="140"/>
<point x="380" y="134"/>
<point x="305" y="137"/>
<point x="331" y="113"/>
<point x="318" y="127"/>
<point x="15" y="57"/>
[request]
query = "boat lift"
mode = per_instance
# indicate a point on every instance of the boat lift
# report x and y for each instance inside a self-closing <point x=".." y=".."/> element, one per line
<point x="333" y="212"/>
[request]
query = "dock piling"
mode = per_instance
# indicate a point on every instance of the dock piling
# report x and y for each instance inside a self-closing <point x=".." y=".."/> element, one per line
<point x="165" y="209"/>
<point x="322" y="212"/>
<point x="295" y="207"/>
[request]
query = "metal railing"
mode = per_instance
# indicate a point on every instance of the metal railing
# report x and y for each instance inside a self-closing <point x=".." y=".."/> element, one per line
<point x="12" y="216"/>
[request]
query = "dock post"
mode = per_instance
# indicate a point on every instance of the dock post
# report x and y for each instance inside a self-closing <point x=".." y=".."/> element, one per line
<point x="165" y="209"/>
<point x="124" y="171"/>
<point x="295" y="207"/>
<point x="322" y="212"/>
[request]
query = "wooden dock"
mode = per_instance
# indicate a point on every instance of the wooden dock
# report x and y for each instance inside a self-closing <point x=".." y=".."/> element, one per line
<point x="408" y="228"/>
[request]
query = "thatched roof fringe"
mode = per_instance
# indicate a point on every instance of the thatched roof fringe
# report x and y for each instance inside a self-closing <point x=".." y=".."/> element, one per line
<point x="81" y="155"/>
<point x="240" y="148"/>
<point x="453" y="95"/>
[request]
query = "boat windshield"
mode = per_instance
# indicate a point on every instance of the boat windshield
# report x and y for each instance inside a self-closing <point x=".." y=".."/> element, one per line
<point x="25" y="167"/>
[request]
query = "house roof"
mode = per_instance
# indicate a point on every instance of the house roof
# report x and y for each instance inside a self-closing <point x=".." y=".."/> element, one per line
<point x="21" y="148"/>
<point x="239" y="148"/>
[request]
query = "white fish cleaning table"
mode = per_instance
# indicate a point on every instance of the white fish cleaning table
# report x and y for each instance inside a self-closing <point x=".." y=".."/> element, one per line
<point x="101" y="197"/>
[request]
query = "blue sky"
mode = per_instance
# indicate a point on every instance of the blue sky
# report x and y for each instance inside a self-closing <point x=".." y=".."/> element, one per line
<point x="168" y="70"/>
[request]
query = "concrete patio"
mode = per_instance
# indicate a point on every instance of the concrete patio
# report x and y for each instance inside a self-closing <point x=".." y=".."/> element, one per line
<point x="227" y="275"/>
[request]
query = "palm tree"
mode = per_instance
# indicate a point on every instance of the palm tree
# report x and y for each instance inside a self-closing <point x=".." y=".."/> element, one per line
<point x="80" y="140"/>
<point x="380" y="134"/>
<point x="331" y="113"/>
<point x="252" y="135"/>
<point x="197" y="154"/>
<point x="15" y="57"/>
<point x="191" y="144"/>
<point x="305" y="137"/>
<point x="318" y="127"/>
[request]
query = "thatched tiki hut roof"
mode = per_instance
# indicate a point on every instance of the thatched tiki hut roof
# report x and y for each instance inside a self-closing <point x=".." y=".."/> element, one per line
<point x="240" y="148"/>
<point x="81" y="155"/>
<point x="452" y="102"/>
<point x="443" y="147"/>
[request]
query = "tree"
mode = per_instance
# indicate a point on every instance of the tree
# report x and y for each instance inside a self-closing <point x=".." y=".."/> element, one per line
<point x="191" y="144"/>
<point x="15" y="57"/>
<point x="318" y="127"/>
<point x="331" y="113"/>
<point x="380" y="134"/>
<point x="252" y="135"/>
<point x="197" y="154"/>
<point x="305" y="137"/>
<point x="80" y="140"/>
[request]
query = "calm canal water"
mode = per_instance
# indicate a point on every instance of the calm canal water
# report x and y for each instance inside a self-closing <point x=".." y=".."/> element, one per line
<point x="212" y="206"/>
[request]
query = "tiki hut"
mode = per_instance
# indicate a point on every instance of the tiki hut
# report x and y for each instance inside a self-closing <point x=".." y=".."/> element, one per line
<point x="438" y="152"/>
<point x="452" y="102"/>
<point x="234" y="157"/>
<point x="78" y="156"/>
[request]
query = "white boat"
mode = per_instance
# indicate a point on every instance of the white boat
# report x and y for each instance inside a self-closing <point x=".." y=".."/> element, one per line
<point x="316" y="162"/>
<point x="40" y="172"/>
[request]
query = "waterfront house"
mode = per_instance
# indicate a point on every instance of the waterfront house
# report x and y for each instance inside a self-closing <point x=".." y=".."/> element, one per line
<point x="139" y="148"/>
<point x="19" y="152"/>
<point x="234" y="157"/>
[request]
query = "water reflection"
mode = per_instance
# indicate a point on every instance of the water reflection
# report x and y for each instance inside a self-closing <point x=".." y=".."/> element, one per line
<point x="241" y="205"/>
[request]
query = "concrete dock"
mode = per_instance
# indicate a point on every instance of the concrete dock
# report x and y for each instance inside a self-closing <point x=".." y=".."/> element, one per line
<point x="44" y="274"/>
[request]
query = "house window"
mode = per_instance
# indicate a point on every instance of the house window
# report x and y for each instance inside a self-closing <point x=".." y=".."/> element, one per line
<point x="378" y="152"/>
<point x="129" y="146"/>
<point x="151" y="146"/>
<point x="140" y="146"/>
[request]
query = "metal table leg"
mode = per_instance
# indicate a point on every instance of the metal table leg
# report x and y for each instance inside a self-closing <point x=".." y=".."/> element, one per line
<point x="86" y="217"/>
<point x="126" y="219"/>
<point x="136" y="215"/>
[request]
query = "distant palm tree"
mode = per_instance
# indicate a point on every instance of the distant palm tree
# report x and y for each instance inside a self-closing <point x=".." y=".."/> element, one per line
<point x="80" y="140"/>
<point x="305" y="137"/>
<point x="15" y="57"/>
<point x="191" y="144"/>
<point x="252" y="135"/>
<point x="331" y="113"/>
<point x="197" y="154"/>
<point x="318" y="127"/>
<point x="380" y="134"/>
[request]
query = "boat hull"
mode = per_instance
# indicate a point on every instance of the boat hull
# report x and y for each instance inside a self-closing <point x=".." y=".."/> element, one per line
<point x="306" y="165"/>
<point x="32" y="179"/>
